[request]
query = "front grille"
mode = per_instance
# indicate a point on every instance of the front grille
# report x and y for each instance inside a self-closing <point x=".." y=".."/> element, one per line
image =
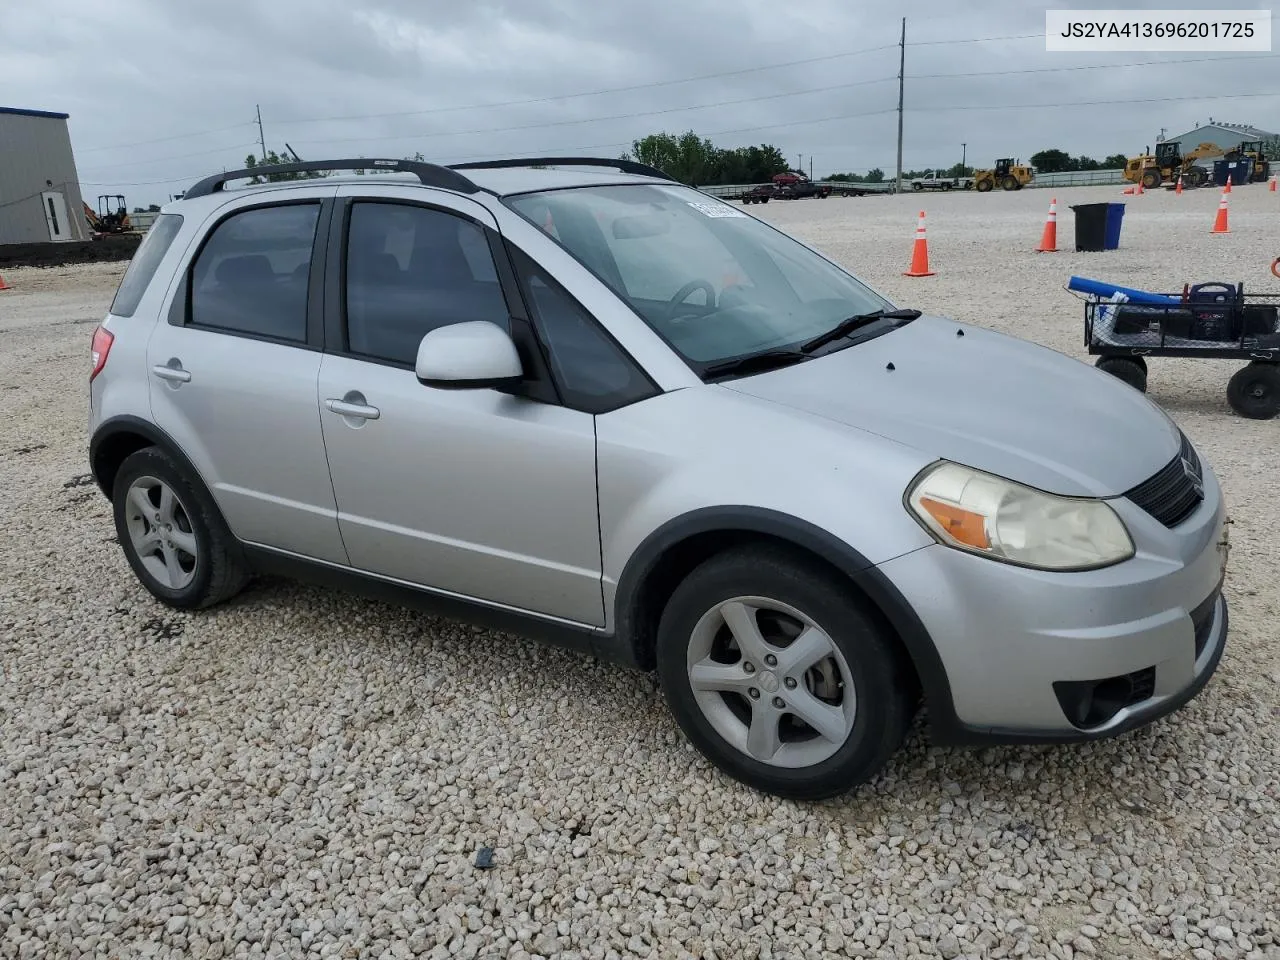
<point x="1202" y="620"/>
<point x="1173" y="494"/>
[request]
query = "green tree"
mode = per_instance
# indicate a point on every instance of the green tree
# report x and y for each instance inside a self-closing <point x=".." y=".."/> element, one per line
<point x="697" y="161"/>
<point x="875" y="175"/>
<point x="1051" y="161"/>
<point x="272" y="159"/>
<point x="1115" y="161"/>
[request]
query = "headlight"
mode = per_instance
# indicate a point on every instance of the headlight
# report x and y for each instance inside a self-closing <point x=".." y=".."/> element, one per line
<point x="988" y="515"/>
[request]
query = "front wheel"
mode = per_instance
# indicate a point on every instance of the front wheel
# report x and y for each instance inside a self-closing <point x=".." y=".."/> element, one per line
<point x="1254" y="390"/>
<point x="1151" y="179"/>
<point x="780" y="676"/>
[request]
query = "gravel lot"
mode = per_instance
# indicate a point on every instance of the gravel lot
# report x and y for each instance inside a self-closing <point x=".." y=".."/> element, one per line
<point x="305" y="774"/>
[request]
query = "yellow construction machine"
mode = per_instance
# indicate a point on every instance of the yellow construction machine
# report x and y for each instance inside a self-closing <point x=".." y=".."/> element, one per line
<point x="1252" y="150"/>
<point x="1168" y="163"/>
<point x="1008" y="175"/>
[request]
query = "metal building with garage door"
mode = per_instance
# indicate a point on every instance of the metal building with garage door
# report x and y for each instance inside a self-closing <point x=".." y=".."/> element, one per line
<point x="39" y="187"/>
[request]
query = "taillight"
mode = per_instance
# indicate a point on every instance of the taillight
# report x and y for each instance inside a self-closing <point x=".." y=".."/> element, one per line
<point x="102" y="340"/>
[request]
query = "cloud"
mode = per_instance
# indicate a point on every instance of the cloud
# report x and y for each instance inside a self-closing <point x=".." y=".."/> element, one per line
<point x="465" y="79"/>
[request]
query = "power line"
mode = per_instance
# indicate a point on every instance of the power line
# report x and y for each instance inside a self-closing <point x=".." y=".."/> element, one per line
<point x="1089" y="66"/>
<point x="180" y="136"/>
<point x="620" y="116"/>
<point x="177" y="156"/>
<point x="652" y="84"/>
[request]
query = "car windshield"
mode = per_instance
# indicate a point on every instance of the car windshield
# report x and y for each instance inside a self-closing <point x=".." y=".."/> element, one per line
<point x="714" y="282"/>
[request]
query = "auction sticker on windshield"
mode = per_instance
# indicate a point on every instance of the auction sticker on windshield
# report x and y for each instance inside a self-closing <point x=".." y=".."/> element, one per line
<point x="715" y="209"/>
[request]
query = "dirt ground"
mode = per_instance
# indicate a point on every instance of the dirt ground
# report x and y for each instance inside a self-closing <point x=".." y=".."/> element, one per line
<point x="299" y="773"/>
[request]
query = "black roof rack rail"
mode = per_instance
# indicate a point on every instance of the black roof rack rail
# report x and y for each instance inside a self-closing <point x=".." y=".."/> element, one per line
<point x="626" y="166"/>
<point x="429" y="174"/>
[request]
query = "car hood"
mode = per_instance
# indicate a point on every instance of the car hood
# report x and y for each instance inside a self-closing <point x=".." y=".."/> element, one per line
<point x="991" y="401"/>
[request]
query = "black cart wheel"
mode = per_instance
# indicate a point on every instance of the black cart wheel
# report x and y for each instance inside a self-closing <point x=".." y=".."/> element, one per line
<point x="1132" y="370"/>
<point x="1254" y="390"/>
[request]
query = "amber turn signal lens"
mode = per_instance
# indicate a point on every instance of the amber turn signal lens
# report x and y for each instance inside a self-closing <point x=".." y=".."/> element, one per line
<point x="963" y="525"/>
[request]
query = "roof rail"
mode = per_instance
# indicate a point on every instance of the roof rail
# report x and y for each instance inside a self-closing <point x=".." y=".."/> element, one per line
<point x="626" y="166"/>
<point x="429" y="174"/>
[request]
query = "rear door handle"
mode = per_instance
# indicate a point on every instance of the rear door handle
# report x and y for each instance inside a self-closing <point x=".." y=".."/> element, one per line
<point x="346" y="408"/>
<point x="174" y="374"/>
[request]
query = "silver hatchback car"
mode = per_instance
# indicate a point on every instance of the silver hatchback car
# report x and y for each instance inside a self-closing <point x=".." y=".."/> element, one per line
<point x="574" y="399"/>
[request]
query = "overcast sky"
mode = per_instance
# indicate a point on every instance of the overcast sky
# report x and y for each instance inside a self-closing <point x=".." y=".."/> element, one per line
<point x="165" y="90"/>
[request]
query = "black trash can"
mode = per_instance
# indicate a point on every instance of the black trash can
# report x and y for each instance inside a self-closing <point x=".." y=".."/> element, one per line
<point x="1091" y="226"/>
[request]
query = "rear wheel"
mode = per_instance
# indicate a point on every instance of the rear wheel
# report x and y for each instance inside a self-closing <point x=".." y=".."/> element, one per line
<point x="1151" y="179"/>
<point x="780" y="677"/>
<point x="172" y="533"/>
<point x="1131" y="370"/>
<point x="1254" y="390"/>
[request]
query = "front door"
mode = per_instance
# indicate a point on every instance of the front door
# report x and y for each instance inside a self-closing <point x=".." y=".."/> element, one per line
<point x="471" y="492"/>
<point x="55" y="215"/>
<point x="233" y="376"/>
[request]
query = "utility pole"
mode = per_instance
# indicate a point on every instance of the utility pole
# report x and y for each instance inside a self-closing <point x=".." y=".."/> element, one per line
<point x="800" y="163"/>
<point x="261" y="136"/>
<point x="963" y="169"/>
<point x="902" y="65"/>
<point x="811" y="166"/>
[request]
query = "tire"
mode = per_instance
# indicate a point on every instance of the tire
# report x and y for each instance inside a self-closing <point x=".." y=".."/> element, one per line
<point x="1254" y="390"/>
<point x="207" y="567"/>
<point x="1010" y="182"/>
<point x="865" y="729"/>
<point x="917" y="187"/>
<point x="1132" y="371"/>
<point x="1151" y="179"/>
<point x="984" y="186"/>
<point x="947" y="185"/>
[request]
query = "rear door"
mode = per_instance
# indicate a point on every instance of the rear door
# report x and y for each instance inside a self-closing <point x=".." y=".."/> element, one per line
<point x="233" y="370"/>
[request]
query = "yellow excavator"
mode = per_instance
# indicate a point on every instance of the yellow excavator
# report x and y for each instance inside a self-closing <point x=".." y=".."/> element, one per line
<point x="1007" y="174"/>
<point x="105" y="220"/>
<point x="1168" y="163"/>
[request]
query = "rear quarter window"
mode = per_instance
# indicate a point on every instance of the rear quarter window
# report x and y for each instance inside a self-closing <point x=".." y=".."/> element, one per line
<point x="142" y="268"/>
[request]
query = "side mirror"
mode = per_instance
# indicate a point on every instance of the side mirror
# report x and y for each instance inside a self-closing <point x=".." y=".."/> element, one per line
<point x="468" y="356"/>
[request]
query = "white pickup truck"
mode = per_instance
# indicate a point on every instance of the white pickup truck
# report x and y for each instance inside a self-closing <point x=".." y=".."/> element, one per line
<point x="931" y="181"/>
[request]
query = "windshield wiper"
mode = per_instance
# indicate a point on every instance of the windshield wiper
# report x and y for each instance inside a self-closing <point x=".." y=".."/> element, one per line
<point x="755" y="362"/>
<point x="850" y="324"/>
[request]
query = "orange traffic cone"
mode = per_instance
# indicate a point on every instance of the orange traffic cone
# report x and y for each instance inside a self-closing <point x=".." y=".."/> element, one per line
<point x="1138" y="191"/>
<point x="1272" y="185"/>
<point x="1178" y="188"/>
<point x="3" y="285"/>
<point x="1128" y="191"/>
<point x="920" y="253"/>
<point x="1220" y="221"/>
<point x="1228" y="187"/>
<point x="1049" y="239"/>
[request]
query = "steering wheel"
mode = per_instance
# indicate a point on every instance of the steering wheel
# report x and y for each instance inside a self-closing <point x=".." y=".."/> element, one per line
<point x="682" y="295"/>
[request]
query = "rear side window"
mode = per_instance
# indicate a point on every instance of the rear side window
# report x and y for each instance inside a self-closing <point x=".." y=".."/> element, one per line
<point x="253" y="273"/>
<point x="155" y="244"/>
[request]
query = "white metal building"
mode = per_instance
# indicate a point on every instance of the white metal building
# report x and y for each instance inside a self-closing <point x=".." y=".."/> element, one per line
<point x="39" y="188"/>
<point x="1225" y="135"/>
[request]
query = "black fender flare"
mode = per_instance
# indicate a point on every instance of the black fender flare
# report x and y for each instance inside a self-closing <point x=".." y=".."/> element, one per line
<point x="127" y="423"/>
<point x="877" y="587"/>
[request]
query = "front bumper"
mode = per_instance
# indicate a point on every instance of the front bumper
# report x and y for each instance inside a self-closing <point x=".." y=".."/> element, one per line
<point x="1038" y="657"/>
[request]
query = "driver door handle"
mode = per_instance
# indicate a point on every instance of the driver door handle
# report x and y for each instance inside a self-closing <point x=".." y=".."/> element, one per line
<point x="359" y="411"/>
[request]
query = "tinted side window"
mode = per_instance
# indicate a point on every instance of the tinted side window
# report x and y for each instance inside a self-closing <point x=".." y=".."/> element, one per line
<point x="411" y="270"/>
<point x="155" y="244"/>
<point x="253" y="273"/>
<point x="592" y="371"/>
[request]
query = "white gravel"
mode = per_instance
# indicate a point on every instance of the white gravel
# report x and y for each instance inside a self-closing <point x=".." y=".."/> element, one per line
<point x="302" y="774"/>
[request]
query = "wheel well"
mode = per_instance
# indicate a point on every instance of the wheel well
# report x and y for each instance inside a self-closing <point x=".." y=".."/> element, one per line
<point x="111" y="452"/>
<point x="680" y="559"/>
